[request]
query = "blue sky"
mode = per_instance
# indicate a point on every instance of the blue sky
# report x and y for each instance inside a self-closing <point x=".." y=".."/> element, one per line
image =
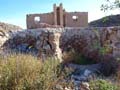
<point x="14" y="11"/>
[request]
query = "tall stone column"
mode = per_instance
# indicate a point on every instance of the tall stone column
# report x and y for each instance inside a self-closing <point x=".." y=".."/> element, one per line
<point x="48" y="45"/>
<point x="54" y="40"/>
<point x="55" y="14"/>
<point x="61" y="14"/>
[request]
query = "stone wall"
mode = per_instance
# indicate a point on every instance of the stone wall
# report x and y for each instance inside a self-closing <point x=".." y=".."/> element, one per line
<point x="92" y="41"/>
<point x="45" y="42"/>
<point x="58" y="17"/>
<point x="43" y="18"/>
<point x="81" y="19"/>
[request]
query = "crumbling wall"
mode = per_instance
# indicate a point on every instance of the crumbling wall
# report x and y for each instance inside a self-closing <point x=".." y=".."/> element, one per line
<point x="76" y="19"/>
<point x="45" y="42"/>
<point x="43" y="18"/>
<point x="92" y="41"/>
<point x="58" y="17"/>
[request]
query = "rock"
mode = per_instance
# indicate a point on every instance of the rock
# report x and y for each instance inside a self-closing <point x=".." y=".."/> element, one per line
<point x="59" y="87"/>
<point x="42" y="43"/>
<point x="84" y="86"/>
<point x="87" y="72"/>
<point x="79" y="68"/>
<point x="68" y="88"/>
<point x="9" y="27"/>
<point x="83" y="74"/>
<point x="3" y="37"/>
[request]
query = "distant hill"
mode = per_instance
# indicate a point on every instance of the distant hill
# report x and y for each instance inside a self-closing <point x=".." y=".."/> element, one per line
<point x="8" y="27"/>
<point x="112" y="20"/>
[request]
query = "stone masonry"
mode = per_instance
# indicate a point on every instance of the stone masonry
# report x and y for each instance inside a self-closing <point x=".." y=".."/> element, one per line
<point x="59" y="17"/>
<point x="43" y="43"/>
<point x="47" y="42"/>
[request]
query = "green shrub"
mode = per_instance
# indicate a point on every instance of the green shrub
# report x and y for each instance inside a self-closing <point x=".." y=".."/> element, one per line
<point x="25" y="72"/>
<point x="82" y="60"/>
<point x="102" y="85"/>
<point x="77" y="58"/>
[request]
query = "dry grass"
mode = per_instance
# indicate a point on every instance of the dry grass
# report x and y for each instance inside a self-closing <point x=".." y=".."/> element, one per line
<point x="25" y="72"/>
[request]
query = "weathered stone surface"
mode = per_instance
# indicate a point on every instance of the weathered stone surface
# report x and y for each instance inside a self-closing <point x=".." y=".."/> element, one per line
<point x="42" y="42"/>
<point x="91" y="41"/>
<point x="45" y="25"/>
<point x="3" y="37"/>
<point x="87" y="41"/>
<point x="9" y="27"/>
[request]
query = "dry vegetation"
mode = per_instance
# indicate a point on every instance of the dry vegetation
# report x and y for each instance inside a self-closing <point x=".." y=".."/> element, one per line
<point x="25" y="72"/>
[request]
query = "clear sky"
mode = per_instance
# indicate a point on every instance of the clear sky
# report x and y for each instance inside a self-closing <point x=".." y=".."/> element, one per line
<point x="14" y="11"/>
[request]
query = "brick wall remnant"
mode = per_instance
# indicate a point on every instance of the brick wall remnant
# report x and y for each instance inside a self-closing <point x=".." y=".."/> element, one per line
<point x="58" y="17"/>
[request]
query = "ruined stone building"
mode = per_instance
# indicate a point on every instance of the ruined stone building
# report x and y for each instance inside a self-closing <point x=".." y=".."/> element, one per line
<point x="58" y="17"/>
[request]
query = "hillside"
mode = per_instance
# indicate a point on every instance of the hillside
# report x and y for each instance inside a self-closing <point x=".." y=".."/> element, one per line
<point x="8" y="27"/>
<point x="112" y="20"/>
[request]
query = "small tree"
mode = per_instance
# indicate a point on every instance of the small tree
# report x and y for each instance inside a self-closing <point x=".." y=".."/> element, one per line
<point x="110" y="5"/>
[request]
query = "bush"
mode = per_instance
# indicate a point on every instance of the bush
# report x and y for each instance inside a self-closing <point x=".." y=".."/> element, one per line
<point x="25" y="72"/>
<point x="109" y="65"/>
<point x="77" y="58"/>
<point x="103" y="85"/>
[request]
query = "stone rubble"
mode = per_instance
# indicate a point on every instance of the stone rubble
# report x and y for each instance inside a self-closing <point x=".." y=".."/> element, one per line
<point x="83" y="74"/>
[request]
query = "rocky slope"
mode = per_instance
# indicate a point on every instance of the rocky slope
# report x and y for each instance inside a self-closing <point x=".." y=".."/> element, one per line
<point x="8" y="27"/>
<point x="6" y="30"/>
<point x="112" y="20"/>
